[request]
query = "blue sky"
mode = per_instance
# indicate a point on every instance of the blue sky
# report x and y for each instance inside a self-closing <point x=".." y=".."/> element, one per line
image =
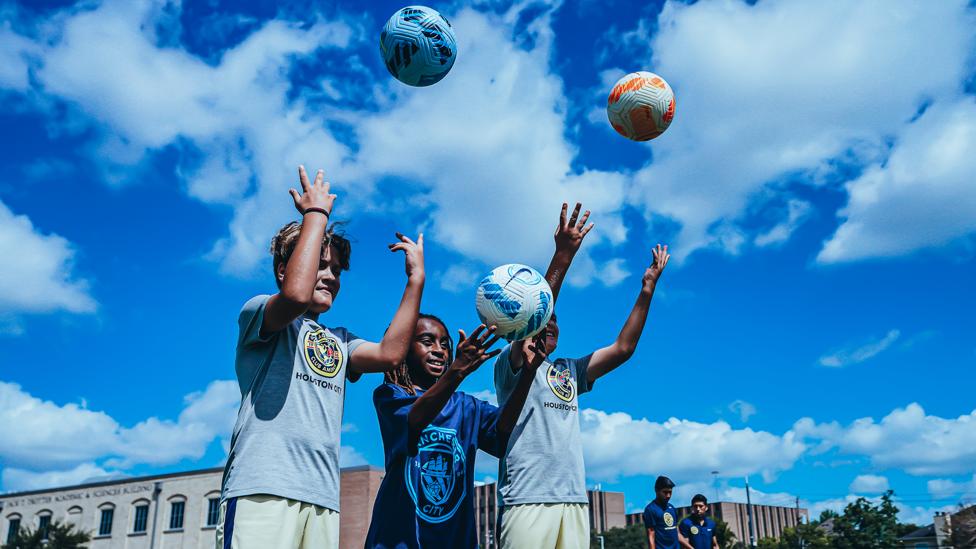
<point x="814" y="331"/>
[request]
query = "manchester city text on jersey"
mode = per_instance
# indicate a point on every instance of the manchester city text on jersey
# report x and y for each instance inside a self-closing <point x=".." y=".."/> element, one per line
<point x="435" y="476"/>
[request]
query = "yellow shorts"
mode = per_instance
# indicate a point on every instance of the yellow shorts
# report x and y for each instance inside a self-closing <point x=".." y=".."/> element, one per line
<point x="544" y="526"/>
<point x="269" y="522"/>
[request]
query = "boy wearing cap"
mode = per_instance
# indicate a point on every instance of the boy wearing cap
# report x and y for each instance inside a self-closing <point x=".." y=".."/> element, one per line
<point x="659" y="517"/>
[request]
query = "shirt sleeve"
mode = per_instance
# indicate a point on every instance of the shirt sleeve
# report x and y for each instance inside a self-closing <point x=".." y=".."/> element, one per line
<point x="352" y="341"/>
<point x="683" y="527"/>
<point x="249" y="322"/>
<point x="392" y="408"/>
<point x="579" y="366"/>
<point x="505" y="378"/>
<point x="648" y="519"/>
<point x="489" y="439"/>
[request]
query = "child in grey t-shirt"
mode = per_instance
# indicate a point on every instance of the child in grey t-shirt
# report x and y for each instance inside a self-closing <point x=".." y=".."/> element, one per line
<point x="541" y="479"/>
<point x="281" y="481"/>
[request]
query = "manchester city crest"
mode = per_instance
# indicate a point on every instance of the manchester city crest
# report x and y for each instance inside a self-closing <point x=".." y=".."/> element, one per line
<point x="322" y="352"/>
<point x="435" y="476"/>
<point x="561" y="382"/>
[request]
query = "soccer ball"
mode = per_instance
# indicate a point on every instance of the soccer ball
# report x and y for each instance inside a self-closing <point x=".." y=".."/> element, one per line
<point x="418" y="46"/>
<point x="641" y="106"/>
<point x="516" y="299"/>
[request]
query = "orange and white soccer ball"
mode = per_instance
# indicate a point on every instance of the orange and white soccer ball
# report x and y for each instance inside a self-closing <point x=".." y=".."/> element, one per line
<point x="641" y="106"/>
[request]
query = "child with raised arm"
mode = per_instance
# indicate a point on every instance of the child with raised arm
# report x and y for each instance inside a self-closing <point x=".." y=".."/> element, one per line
<point x="431" y="435"/>
<point x="281" y="482"/>
<point x="536" y="511"/>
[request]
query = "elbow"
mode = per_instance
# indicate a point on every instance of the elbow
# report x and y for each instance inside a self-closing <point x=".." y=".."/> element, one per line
<point x="292" y="297"/>
<point x="623" y="353"/>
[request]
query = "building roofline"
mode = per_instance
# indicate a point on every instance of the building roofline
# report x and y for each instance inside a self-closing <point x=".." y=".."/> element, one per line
<point x="152" y="478"/>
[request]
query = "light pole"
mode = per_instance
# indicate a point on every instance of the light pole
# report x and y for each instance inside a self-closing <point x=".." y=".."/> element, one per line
<point x="715" y="474"/>
<point x="601" y="541"/>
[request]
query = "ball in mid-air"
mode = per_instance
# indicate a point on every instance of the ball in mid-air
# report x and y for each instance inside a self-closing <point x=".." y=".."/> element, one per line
<point x="516" y="299"/>
<point x="418" y="46"/>
<point x="641" y="106"/>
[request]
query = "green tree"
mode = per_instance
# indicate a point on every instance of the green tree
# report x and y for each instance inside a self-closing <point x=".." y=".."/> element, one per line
<point x="961" y="528"/>
<point x="723" y="534"/>
<point x="630" y="537"/>
<point x="827" y="514"/>
<point x="866" y="526"/>
<point x="56" y="536"/>
<point x="811" y="536"/>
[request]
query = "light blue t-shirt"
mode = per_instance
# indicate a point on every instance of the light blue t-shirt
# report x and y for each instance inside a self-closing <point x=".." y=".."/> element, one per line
<point x="286" y="440"/>
<point x="543" y="462"/>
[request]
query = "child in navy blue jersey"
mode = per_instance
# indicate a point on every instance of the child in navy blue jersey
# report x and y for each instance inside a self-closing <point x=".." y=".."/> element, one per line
<point x="431" y="435"/>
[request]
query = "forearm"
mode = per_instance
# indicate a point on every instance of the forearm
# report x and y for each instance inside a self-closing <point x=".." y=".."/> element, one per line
<point x="650" y="539"/>
<point x="426" y="408"/>
<point x="515" y="355"/>
<point x="605" y="360"/>
<point x="683" y="542"/>
<point x="556" y="272"/>
<point x="512" y="409"/>
<point x="391" y="350"/>
<point x="303" y="266"/>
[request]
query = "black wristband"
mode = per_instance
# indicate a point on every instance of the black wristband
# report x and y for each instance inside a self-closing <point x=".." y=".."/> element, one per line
<point x="319" y="210"/>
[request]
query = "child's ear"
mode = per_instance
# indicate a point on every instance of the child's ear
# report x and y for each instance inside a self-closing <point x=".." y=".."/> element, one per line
<point x="280" y="273"/>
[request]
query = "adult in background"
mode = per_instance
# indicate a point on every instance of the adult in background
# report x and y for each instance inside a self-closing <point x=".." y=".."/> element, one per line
<point x="659" y="517"/>
<point x="696" y="531"/>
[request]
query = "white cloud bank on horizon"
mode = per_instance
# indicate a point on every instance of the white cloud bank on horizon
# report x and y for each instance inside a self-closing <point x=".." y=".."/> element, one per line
<point x="781" y="89"/>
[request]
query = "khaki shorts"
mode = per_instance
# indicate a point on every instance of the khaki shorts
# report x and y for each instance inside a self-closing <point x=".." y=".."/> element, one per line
<point x="270" y="522"/>
<point x="544" y="526"/>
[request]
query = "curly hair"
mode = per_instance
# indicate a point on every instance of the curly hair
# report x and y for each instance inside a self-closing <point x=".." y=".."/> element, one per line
<point x="401" y="375"/>
<point x="283" y="244"/>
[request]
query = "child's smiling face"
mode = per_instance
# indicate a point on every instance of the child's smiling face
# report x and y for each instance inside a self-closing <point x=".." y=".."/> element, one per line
<point x="429" y="352"/>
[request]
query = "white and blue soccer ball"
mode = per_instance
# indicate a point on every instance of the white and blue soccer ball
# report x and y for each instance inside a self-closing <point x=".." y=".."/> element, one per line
<point x="516" y="299"/>
<point x="418" y="46"/>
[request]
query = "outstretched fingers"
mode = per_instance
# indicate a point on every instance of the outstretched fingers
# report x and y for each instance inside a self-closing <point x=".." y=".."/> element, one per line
<point x="576" y="211"/>
<point x="562" y="215"/>
<point x="303" y="178"/>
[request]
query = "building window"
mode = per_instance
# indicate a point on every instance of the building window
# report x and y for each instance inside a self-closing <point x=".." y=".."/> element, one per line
<point x="213" y="511"/>
<point x="139" y="524"/>
<point x="12" y="529"/>
<point x="43" y="523"/>
<point x="105" y="524"/>
<point x="176" y="515"/>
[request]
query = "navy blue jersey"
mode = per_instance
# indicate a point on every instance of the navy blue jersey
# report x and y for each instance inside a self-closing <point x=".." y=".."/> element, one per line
<point x="426" y="499"/>
<point x="662" y="521"/>
<point x="698" y="535"/>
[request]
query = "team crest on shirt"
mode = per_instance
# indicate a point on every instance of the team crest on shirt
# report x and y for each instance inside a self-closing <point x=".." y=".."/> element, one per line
<point x="561" y="382"/>
<point x="668" y="519"/>
<point x="322" y="352"/>
<point x="694" y="529"/>
<point x="435" y="476"/>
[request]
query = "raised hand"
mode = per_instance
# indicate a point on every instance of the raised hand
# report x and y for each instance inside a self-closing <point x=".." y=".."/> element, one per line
<point x="414" y="252"/>
<point x="472" y="350"/>
<point x="313" y="195"/>
<point x="534" y="352"/>
<point x="569" y="234"/>
<point x="653" y="273"/>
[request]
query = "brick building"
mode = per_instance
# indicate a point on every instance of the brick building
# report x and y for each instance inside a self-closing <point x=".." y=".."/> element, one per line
<point x="173" y="511"/>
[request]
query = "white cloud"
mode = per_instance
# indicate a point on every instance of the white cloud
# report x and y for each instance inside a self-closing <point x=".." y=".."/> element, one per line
<point x="36" y="274"/>
<point x="493" y="130"/>
<point x="848" y="356"/>
<point x="797" y="212"/>
<point x="905" y="439"/>
<point x="784" y="90"/>
<point x="42" y="437"/>
<point x="616" y="445"/>
<point x="922" y="197"/>
<point x="460" y="277"/>
<point x="487" y="395"/>
<point x="19" y="480"/>
<point x="744" y="409"/>
<point x="947" y="487"/>
<point x="349" y="457"/>
<point x="869" y="484"/>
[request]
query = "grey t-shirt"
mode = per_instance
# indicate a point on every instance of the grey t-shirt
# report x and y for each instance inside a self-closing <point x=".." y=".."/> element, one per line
<point x="544" y="459"/>
<point x="286" y="440"/>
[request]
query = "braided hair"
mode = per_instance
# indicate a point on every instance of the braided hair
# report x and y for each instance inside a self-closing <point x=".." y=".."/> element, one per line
<point x="401" y="375"/>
